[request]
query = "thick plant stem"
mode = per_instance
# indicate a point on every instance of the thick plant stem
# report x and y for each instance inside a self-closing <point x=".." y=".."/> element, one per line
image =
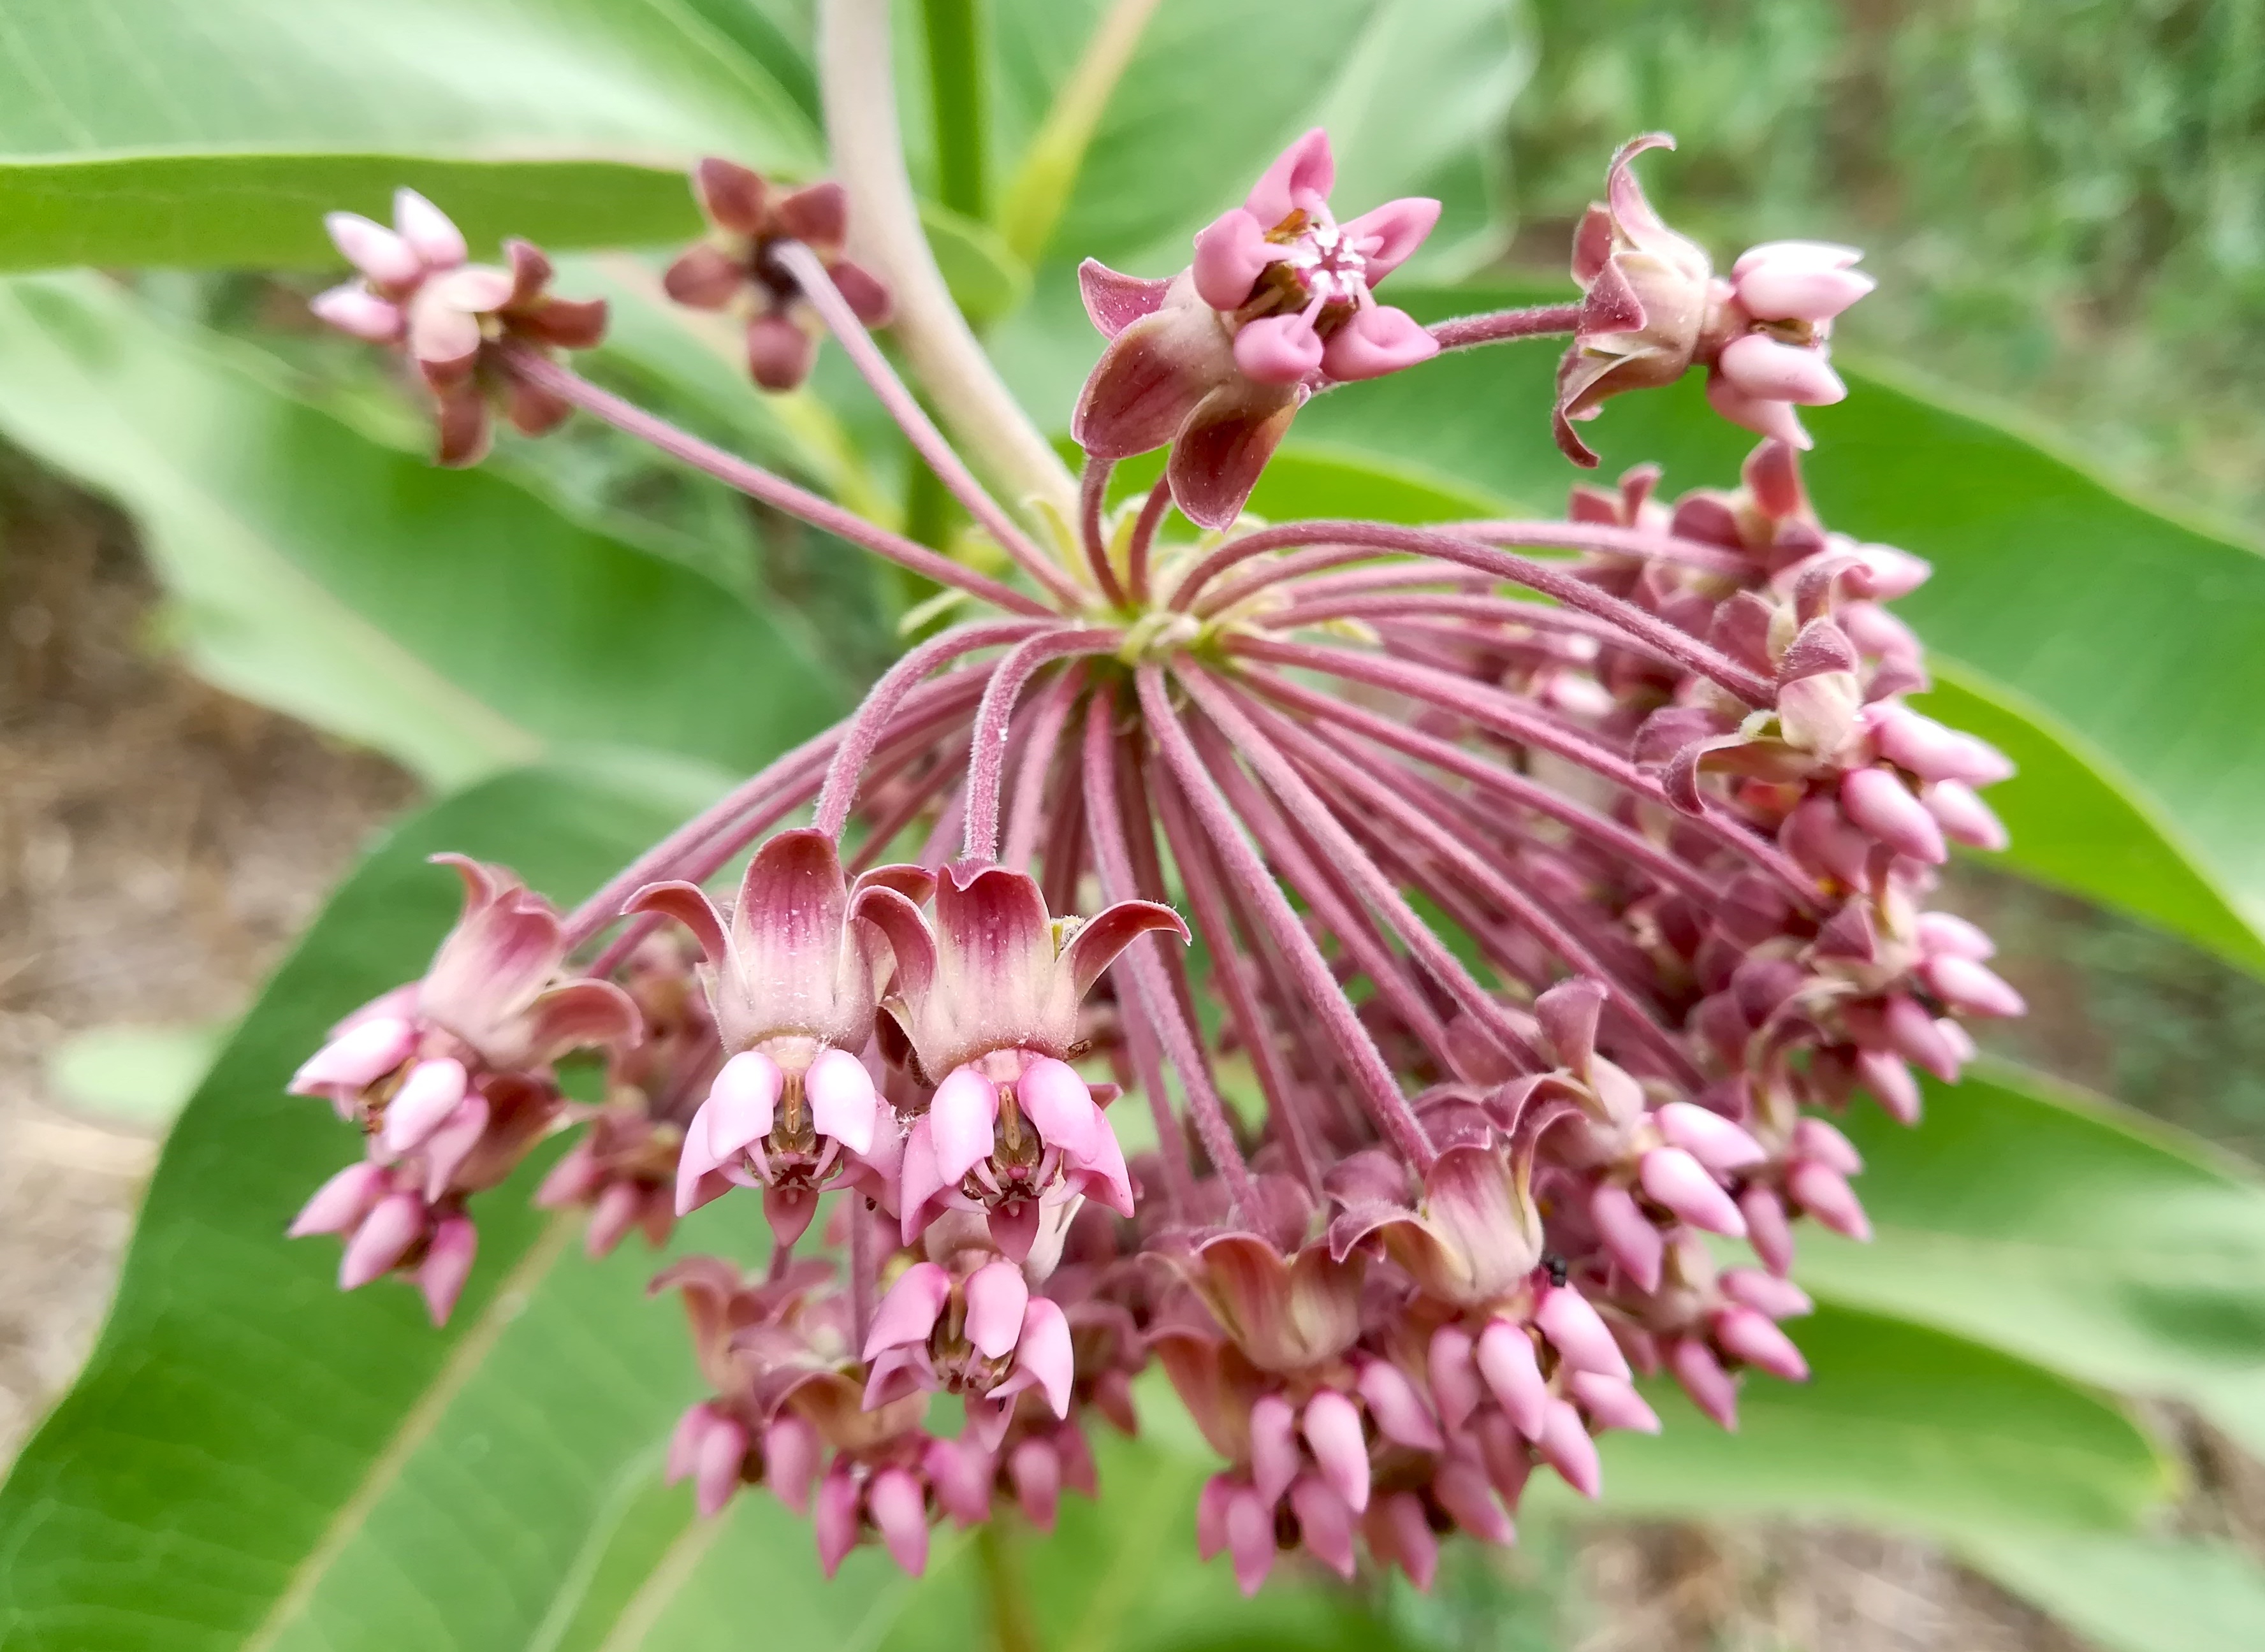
<point x="1371" y="1074"/>
<point x="1113" y="854"/>
<point x="809" y="274"/>
<point x="857" y="79"/>
<point x="533" y="368"/>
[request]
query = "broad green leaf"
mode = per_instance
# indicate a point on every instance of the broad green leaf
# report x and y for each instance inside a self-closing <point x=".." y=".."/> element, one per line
<point x="1314" y="480"/>
<point x="448" y="618"/>
<point x="1899" y="1425"/>
<point x="2061" y="1227"/>
<point x="2132" y="1594"/>
<point x="252" y="1459"/>
<point x="217" y="134"/>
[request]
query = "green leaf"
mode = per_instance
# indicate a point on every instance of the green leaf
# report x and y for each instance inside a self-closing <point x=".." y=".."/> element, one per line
<point x="2132" y="1594"/>
<point x="448" y="618"/>
<point x="2062" y="1227"/>
<point x="1899" y="1425"/>
<point x="252" y="1457"/>
<point x="217" y="134"/>
<point x="986" y="278"/>
<point x="2130" y="645"/>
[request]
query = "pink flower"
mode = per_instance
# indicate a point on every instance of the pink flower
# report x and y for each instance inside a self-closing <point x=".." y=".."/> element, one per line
<point x="417" y="290"/>
<point x="1278" y="303"/>
<point x="973" y="1328"/>
<point x="987" y="995"/>
<point x="1652" y="308"/>
<point x="793" y="984"/>
<point x="734" y="266"/>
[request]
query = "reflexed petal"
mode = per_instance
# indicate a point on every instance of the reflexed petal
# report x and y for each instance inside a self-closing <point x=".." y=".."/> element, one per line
<point x="1578" y="1332"/>
<point x="1399" y="1410"/>
<point x="1231" y="253"/>
<point x="342" y="1202"/>
<point x="1964" y="818"/>
<point x="353" y="308"/>
<point x="429" y="232"/>
<point x="1044" y="1352"/>
<point x="962" y="1117"/>
<point x="1462" y="1487"/>
<point x="1224" y="446"/>
<point x="1400" y="1532"/>
<point x="1452" y="1370"/>
<point x="780" y="354"/>
<point x="1754" y="1338"/>
<point x="575" y="1015"/>
<point x="867" y="296"/>
<point x="1279" y="350"/>
<point x="899" y="1508"/>
<point x="1775" y="420"/>
<point x="836" y="1518"/>
<point x="1781" y="292"/>
<point x="1673" y="1178"/>
<point x="1331" y="1425"/>
<point x="1513" y="1375"/>
<point x="1814" y="1138"/>
<point x="1709" y="1137"/>
<point x="1056" y="1100"/>
<point x="1769" y="370"/>
<point x="1273" y="1447"/>
<point x="1113" y="299"/>
<point x="1102" y="938"/>
<point x="1250" y="1540"/>
<point x="1379" y="340"/>
<point x="1824" y="1193"/>
<point x="732" y="196"/>
<point x="1613" y="1403"/>
<point x="995" y="947"/>
<point x="1712" y="1389"/>
<point x="1151" y="378"/>
<point x="1568" y="1012"/>
<point x="705" y="277"/>
<point x="431" y="1092"/>
<point x="502" y="950"/>
<point x="1300" y="179"/>
<point x="383" y="1238"/>
<point x="1324" y="1524"/>
<point x="357" y="1058"/>
<point x="909" y="1311"/>
<point x="447" y="1263"/>
<point x="690" y="906"/>
<point x="1766" y="1294"/>
<point x="374" y="250"/>
<point x="1036" y="1469"/>
<point x="1636" y="1246"/>
<point x="787" y="932"/>
<point x="817" y="214"/>
<point x="1565" y="1446"/>
<point x="1878" y="801"/>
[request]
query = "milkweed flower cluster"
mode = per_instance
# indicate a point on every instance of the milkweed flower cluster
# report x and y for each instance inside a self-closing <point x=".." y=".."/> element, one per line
<point x="1551" y="935"/>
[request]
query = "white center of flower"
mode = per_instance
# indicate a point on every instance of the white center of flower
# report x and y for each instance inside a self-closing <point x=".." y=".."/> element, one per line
<point x="1331" y="267"/>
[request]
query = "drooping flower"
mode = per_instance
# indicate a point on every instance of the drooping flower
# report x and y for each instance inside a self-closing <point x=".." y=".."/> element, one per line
<point x="735" y="266"/>
<point x="1651" y="308"/>
<point x="971" y="1325"/>
<point x="418" y="291"/>
<point x="793" y="984"/>
<point x="1279" y="301"/>
<point x="987" y="995"/>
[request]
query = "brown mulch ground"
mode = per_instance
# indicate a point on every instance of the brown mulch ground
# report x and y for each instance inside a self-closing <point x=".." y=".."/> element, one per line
<point x="161" y="843"/>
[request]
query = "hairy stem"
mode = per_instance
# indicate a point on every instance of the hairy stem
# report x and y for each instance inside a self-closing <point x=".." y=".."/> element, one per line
<point x="532" y="367"/>
<point x="986" y="765"/>
<point x="857" y="78"/>
<point x="1036" y="765"/>
<point x="1093" y="493"/>
<point x="1499" y="326"/>
<point x="1144" y="538"/>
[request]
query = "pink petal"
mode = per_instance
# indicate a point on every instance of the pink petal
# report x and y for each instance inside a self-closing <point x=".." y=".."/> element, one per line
<point x="716" y="1466"/>
<point x="1453" y="1372"/>
<point x="1055" y="1100"/>
<point x="1298" y="180"/>
<point x="1462" y="1487"/>
<point x="1578" y="1332"/>
<point x="1568" y="1013"/>
<point x="1107" y="1179"/>
<point x="1766" y="1294"/>
<point x="1920" y="1039"/>
<point x="1399" y="1410"/>
<point x="1152" y="376"/>
<point x="383" y="1238"/>
<point x="963" y="1118"/>
<point x="1754" y="1338"/>
<point x="836" y="1519"/>
<point x="1637" y="1247"/>
<point x="1963" y="817"/>
<point x="1251" y="1538"/>
<point x="742" y="1104"/>
<point x="1824" y="1193"/>
<point x="1331" y="1425"/>
<point x="1036" y="1470"/>
<point x="448" y="1146"/>
<point x="447" y="1263"/>
<point x="899" y="1508"/>
<point x="1231" y="253"/>
<point x="843" y="1103"/>
<point x="1398" y="228"/>
<point x="1113" y="299"/>
<point x="1972" y="988"/>
<point x="1324" y="1524"/>
<point x="1948" y="935"/>
<point x="918" y="1184"/>
<point x="1770" y="370"/>
<point x="441" y="335"/>
<point x="1878" y="801"/>
<point x="1774" y="419"/>
<point x="1212" y="1504"/>
<point x="1400" y="1531"/>
<point x="353" y="308"/>
<point x="357" y="1058"/>
<point x="1911" y="739"/>
<point x="1892" y="1084"/>
<point x="428" y="230"/>
<point x="617" y="1211"/>
<point x="1102" y="938"/>
<point x="1767" y="1228"/>
<point x="1506" y="1360"/>
<point x="1709" y="1137"/>
<point x="1612" y="1402"/>
<point x="780" y="353"/>
<point x="1042" y="1354"/>
<point x="996" y="1296"/>
<point x="1802" y="255"/>
<point x="374" y="250"/>
<point x="1782" y="292"/>
<point x="1672" y="1177"/>
<point x="476" y="288"/>
<point x="432" y="1091"/>
<point x="1814" y="1138"/>
<point x="1279" y="350"/>
<point x="342" y="1202"/>
<point x="1712" y="1389"/>
<point x="733" y="197"/>
<point x="1379" y="340"/>
<point x="961" y="1479"/>
<point x="910" y="1310"/>
<point x="705" y="277"/>
<point x="684" y="1443"/>
<point x="1273" y="1447"/>
<point x="1565" y="1446"/>
<point x="696" y="1184"/>
<point x="690" y="906"/>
